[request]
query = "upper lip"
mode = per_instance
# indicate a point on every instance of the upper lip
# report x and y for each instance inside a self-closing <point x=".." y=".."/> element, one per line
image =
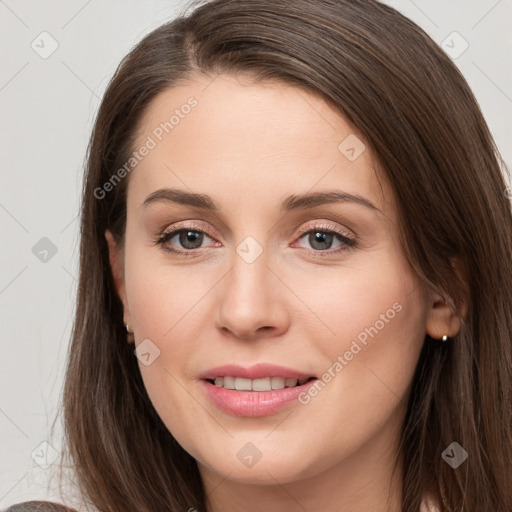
<point x="258" y="371"/>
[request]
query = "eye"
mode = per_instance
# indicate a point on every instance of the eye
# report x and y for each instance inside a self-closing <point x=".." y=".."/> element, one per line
<point x="322" y="237"/>
<point x="188" y="238"/>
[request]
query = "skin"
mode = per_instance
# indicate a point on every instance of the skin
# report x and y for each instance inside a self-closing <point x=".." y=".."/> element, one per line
<point x="249" y="146"/>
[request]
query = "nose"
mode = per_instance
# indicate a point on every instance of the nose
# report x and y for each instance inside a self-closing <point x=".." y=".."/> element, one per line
<point x="252" y="299"/>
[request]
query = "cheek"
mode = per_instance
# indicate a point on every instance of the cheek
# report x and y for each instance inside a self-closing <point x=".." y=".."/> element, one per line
<point x="379" y="326"/>
<point x="369" y="325"/>
<point x="163" y="298"/>
<point x="168" y="307"/>
<point x="376" y="295"/>
<point x="379" y="344"/>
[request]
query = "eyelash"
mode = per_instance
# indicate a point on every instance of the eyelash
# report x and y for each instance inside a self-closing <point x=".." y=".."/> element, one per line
<point x="349" y="243"/>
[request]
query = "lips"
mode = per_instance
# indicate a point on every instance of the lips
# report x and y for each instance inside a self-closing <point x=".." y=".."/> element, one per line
<point x="258" y="371"/>
<point x="253" y="404"/>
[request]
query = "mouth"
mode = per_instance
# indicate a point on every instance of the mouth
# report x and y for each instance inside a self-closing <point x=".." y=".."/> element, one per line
<point x="258" y="385"/>
<point x="254" y="398"/>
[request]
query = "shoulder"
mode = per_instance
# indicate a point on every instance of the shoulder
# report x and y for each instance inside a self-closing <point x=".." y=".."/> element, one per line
<point x="39" y="506"/>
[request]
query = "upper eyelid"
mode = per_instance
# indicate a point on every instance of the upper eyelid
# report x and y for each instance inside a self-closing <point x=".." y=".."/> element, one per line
<point x="184" y="225"/>
<point x="201" y="225"/>
<point x="327" y="226"/>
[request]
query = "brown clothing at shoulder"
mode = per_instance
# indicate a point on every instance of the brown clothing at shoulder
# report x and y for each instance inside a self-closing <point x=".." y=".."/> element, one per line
<point x="39" y="506"/>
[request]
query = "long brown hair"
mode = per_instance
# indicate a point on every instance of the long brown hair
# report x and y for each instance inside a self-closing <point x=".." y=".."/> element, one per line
<point x="422" y="123"/>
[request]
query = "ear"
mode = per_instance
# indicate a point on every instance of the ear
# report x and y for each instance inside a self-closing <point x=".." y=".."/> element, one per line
<point x="116" y="258"/>
<point x="442" y="317"/>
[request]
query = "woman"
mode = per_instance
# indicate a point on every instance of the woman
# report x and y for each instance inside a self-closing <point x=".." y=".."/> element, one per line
<point x="295" y="284"/>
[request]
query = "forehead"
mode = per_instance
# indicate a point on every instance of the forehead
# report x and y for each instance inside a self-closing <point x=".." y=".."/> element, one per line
<point x="228" y="135"/>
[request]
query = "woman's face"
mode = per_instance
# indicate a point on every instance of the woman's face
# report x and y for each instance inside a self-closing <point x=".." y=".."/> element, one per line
<point x="319" y="286"/>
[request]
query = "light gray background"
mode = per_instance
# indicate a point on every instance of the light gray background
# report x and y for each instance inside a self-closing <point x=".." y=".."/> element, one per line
<point x="47" y="110"/>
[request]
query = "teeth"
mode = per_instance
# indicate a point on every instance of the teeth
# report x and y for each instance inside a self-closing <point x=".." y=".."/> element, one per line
<point x="243" y="384"/>
<point x="266" y="384"/>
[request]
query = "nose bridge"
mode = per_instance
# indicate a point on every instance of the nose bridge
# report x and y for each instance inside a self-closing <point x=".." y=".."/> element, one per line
<point x="250" y="267"/>
<point x="250" y="296"/>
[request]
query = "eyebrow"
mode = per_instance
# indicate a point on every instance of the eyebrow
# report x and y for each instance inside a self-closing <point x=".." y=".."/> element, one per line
<point x="294" y="202"/>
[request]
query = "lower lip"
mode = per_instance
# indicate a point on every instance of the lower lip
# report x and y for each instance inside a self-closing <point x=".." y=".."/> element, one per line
<point x="253" y="403"/>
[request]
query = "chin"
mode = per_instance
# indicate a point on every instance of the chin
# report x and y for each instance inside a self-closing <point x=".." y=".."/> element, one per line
<point x="265" y="471"/>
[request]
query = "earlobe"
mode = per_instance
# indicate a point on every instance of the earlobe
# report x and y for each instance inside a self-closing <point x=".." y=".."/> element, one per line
<point x="442" y="320"/>
<point x="442" y="316"/>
